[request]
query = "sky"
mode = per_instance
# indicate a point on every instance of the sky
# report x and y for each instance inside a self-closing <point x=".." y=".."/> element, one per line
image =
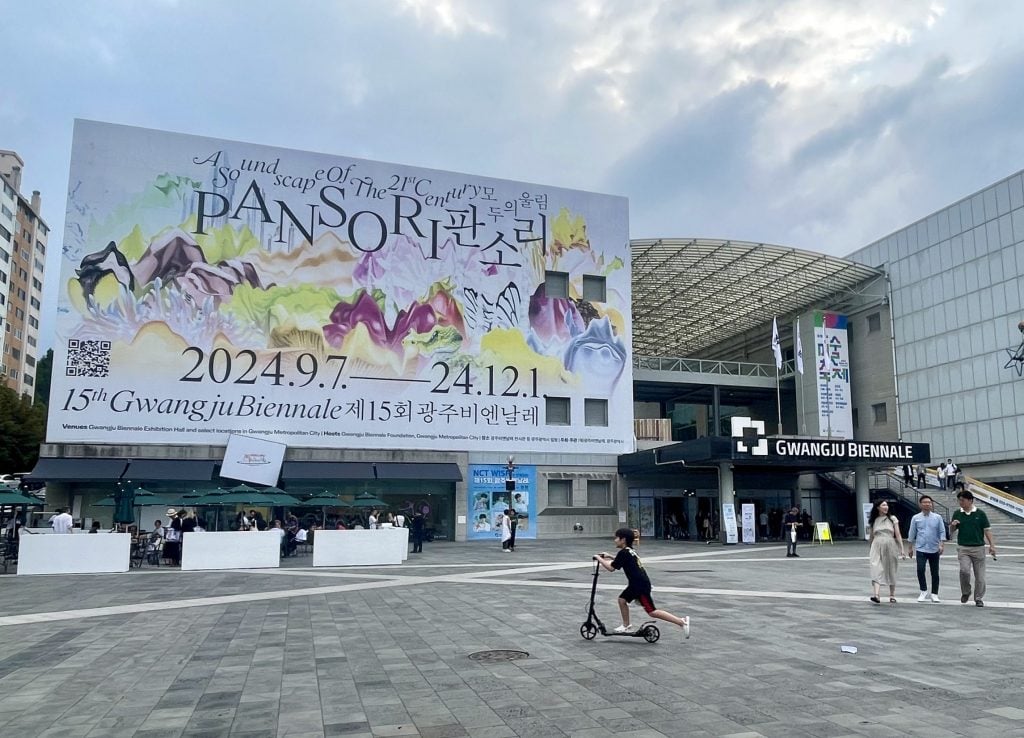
<point x="806" y="123"/>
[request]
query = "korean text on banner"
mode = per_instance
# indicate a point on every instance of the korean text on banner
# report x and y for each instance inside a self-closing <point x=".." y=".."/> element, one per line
<point x="212" y="287"/>
<point x="729" y="522"/>
<point x="748" y="517"/>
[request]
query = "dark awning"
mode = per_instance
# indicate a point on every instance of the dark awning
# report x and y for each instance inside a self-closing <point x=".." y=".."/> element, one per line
<point x="436" y="472"/>
<point x="296" y="470"/>
<point x="74" y="470"/>
<point x="191" y="470"/>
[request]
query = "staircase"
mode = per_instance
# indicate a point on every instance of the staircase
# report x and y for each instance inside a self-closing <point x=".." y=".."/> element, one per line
<point x="947" y="497"/>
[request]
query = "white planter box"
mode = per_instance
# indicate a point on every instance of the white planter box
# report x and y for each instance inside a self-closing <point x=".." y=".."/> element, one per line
<point x="360" y="547"/>
<point x="74" y="554"/>
<point x="230" y="550"/>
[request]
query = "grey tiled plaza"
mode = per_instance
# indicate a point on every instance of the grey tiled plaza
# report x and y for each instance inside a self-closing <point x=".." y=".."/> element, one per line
<point x="384" y="651"/>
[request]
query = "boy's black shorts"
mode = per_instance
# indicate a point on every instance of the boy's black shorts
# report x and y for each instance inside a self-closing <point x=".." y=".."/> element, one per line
<point x="642" y="596"/>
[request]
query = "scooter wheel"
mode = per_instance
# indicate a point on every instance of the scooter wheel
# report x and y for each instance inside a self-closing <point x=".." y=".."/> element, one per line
<point x="651" y="634"/>
<point x="588" y="631"/>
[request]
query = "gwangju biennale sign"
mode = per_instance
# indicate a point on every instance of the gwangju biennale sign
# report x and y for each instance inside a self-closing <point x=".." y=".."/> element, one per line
<point x="212" y="287"/>
<point x="749" y="442"/>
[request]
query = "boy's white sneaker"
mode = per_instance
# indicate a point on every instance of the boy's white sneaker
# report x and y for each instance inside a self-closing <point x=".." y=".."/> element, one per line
<point x="623" y="629"/>
<point x="935" y="598"/>
<point x="923" y="597"/>
<point x="686" y="627"/>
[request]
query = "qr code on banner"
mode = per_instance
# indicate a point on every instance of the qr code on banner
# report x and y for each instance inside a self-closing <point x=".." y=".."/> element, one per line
<point x="88" y="358"/>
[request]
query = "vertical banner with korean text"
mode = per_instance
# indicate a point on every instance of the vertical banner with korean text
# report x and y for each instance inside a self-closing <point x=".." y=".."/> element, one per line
<point x="749" y="525"/>
<point x="212" y="287"/>
<point x="489" y="495"/>
<point x="831" y="348"/>
<point x="729" y="522"/>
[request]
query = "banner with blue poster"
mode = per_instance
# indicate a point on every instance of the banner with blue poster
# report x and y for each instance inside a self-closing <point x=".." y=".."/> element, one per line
<point x="489" y="496"/>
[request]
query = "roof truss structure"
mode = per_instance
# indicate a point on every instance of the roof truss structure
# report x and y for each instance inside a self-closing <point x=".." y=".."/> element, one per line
<point x="690" y="294"/>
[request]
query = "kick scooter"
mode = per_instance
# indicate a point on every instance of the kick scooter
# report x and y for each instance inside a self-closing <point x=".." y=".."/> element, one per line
<point x="589" y="630"/>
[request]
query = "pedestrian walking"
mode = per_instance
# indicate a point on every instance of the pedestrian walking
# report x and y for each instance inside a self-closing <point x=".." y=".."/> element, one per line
<point x="886" y="549"/>
<point x="928" y="536"/>
<point x="972" y="531"/>
<point x="513" y="523"/>
<point x="417" y="533"/>
<point x="922" y="479"/>
<point x="791" y="527"/>
<point x="763" y="520"/>
<point x="951" y="470"/>
<point x="941" y="474"/>
<point x="506" y="531"/>
<point x="908" y="479"/>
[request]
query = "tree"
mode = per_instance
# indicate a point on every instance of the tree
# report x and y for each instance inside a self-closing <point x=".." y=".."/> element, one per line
<point x="22" y="429"/>
<point x="44" y="369"/>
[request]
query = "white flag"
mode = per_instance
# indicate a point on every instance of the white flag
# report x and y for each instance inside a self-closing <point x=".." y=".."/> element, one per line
<point x="776" y="346"/>
<point x="799" y="349"/>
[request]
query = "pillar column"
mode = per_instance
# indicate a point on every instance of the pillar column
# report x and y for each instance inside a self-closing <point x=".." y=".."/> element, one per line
<point x="726" y="495"/>
<point x="862" y="491"/>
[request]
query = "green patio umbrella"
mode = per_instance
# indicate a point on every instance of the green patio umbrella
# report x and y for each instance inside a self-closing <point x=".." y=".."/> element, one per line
<point x="237" y="497"/>
<point x="284" y="499"/>
<point x="323" y="500"/>
<point x="366" y="500"/>
<point x="10" y="497"/>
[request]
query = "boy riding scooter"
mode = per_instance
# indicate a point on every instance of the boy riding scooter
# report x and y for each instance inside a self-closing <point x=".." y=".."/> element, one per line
<point x="638" y="584"/>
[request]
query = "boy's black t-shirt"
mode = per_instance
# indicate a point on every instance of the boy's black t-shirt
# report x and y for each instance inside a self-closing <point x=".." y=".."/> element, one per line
<point x="627" y="560"/>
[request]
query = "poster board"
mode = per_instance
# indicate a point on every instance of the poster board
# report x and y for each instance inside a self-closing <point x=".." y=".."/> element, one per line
<point x="729" y="522"/>
<point x="749" y="527"/>
<point x="212" y="287"/>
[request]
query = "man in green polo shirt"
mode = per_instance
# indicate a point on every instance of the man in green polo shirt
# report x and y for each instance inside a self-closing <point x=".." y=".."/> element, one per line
<point x="972" y="530"/>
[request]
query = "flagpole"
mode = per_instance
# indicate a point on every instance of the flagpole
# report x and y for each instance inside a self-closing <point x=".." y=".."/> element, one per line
<point x="778" y="397"/>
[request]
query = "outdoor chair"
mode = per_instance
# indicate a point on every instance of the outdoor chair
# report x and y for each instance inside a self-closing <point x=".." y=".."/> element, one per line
<point x="8" y="553"/>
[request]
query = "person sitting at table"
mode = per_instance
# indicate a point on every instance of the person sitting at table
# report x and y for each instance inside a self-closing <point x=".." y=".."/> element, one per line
<point x="95" y="528"/>
<point x="301" y="536"/>
<point x="340" y="525"/>
<point x="278" y="529"/>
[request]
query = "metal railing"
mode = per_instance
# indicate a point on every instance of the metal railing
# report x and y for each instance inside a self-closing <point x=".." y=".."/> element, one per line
<point x="889" y="482"/>
<point x="711" y="366"/>
<point x="893" y="483"/>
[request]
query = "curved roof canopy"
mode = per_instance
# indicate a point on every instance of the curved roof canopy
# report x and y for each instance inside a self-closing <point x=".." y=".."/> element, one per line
<point x="691" y="294"/>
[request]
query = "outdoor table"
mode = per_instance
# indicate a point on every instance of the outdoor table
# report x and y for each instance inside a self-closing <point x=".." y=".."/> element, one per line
<point x="74" y="554"/>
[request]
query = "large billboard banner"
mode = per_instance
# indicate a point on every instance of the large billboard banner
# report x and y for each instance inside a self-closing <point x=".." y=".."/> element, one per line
<point x="211" y="287"/>
<point x="832" y="351"/>
<point x="489" y="497"/>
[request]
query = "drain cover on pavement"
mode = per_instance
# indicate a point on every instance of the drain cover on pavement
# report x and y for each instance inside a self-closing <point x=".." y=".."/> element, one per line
<point x="499" y="655"/>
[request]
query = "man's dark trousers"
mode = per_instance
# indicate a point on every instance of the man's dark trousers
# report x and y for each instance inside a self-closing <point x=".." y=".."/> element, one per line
<point x="933" y="564"/>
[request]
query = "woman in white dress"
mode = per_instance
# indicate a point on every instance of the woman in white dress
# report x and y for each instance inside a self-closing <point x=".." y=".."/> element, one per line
<point x="506" y="533"/>
<point x="886" y="549"/>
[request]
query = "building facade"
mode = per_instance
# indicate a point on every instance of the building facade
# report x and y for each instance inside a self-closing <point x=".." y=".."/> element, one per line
<point x="957" y="306"/>
<point x="23" y="238"/>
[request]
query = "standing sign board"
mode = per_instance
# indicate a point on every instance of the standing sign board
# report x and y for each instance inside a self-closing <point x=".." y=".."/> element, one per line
<point x="749" y="528"/>
<point x="729" y="521"/>
<point x="212" y="287"/>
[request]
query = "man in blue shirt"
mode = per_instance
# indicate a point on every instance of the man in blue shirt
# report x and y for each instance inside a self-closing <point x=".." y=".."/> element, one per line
<point x="928" y="536"/>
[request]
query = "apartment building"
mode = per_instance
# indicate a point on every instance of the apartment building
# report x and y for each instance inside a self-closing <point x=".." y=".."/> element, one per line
<point x="23" y="236"/>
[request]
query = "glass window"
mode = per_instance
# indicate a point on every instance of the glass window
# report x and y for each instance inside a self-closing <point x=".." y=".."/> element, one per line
<point x="557" y="410"/>
<point x="3" y="276"/>
<point x="30" y="359"/>
<point x="31" y="341"/>
<point x="595" y="412"/>
<point x="556" y="284"/>
<point x="594" y="288"/>
<point x="6" y="211"/>
<point x="28" y="380"/>
<point x="599" y="493"/>
<point x="559" y="493"/>
<point x="6" y="234"/>
<point x="874" y="322"/>
<point x="880" y="414"/>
